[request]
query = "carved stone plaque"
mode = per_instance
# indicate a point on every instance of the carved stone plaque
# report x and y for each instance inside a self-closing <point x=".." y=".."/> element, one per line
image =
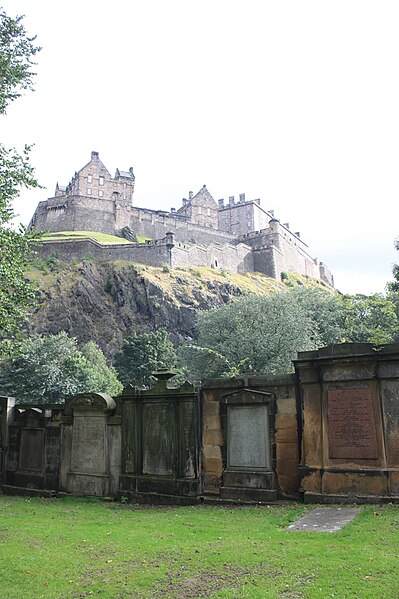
<point x="88" y="444"/>
<point x="248" y="436"/>
<point x="159" y="439"/>
<point x="31" y="452"/>
<point x="351" y="424"/>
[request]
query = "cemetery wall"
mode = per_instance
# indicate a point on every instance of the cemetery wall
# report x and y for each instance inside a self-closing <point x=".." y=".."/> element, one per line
<point x="328" y="433"/>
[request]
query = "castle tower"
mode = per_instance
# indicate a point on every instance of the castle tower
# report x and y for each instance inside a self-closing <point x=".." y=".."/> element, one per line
<point x="93" y="200"/>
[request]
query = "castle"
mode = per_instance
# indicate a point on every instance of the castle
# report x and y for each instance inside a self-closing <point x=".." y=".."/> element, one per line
<point x="238" y="236"/>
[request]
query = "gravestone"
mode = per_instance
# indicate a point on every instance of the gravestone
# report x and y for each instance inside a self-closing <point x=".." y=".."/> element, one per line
<point x="89" y="471"/>
<point x="250" y="430"/>
<point x="160" y="434"/>
<point x="248" y="436"/>
<point x="33" y="449"/>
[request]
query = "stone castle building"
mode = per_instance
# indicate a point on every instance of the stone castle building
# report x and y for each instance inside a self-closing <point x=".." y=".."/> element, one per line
<point x="239" y="236"/>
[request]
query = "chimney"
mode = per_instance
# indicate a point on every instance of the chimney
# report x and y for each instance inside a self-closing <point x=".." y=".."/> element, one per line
<point x="231" y="201"/>
<point x="242" y="198"/>
<point x="184" y="201"/>
<point x="173" y="210"/>
<point x="190" y="195"/>
<point x="221" y="203"/>
<point x="94" y="155"/>
<point x="131" y="171"/>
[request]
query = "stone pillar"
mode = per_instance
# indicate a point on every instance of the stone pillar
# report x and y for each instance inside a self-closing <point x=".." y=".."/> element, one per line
<point x="6" y="407"/>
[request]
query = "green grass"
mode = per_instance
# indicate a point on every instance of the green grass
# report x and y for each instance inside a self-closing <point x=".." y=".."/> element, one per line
<point x="77" y="548"/>
<point x="102" y="238"/>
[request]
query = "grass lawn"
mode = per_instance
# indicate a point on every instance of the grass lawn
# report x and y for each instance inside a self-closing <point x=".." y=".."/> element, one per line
<point x="80" y="548"/>
<point x="102" y="238"/>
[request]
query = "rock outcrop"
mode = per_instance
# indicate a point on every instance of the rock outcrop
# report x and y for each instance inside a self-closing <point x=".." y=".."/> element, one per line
<point x="107" y="301"/>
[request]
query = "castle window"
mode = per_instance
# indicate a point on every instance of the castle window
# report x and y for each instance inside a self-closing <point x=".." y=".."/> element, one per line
<point x="199" y="210"/>
<point x="89" y="191"/>
<point x="101" y="180"/>
<point x="209" y="211"/>
<point x="89" y="179"/>
<point x="101" y="193"/>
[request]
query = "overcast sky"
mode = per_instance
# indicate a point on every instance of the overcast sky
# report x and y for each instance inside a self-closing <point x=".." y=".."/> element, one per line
<point x="294" y="102"/>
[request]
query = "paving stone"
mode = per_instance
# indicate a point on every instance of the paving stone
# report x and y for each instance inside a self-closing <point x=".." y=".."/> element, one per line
<point x="326" y="519"/>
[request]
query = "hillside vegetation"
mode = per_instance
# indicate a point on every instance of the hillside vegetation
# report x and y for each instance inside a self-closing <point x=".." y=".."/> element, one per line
<point x="107" y="301"/>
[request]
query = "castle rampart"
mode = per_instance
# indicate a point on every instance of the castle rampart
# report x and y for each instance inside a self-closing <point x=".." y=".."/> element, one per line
<point x="153" y="254"/>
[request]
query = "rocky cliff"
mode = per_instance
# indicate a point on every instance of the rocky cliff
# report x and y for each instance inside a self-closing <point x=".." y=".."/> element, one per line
<point x="105" y="302"/>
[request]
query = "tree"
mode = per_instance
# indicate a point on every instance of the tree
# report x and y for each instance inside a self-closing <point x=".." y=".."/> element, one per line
<point x="142" y="355"/>
<point x="16" y="52"/>
<point x="51" y="369"/>
<point x="369" y="319"/>
<point x="324" y="309"/>
<point x="98" y="374"/>
<point x="394" y="286"/>
<point x="252" y="334"/>
<point x="16" y="294"/>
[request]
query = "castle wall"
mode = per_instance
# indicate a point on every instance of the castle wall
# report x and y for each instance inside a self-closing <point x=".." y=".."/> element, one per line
<point x="152" y="254"/>
<point x="277" y="249"/>
<point x="155" y="225"/>
<point x="237" y="258"/>
<point x="232" y="258"/>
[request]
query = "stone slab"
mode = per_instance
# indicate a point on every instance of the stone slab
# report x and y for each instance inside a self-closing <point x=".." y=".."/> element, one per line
<point x="248" y="436"/>
<point x="351" y="424"/>
<point x="325" y="519"/>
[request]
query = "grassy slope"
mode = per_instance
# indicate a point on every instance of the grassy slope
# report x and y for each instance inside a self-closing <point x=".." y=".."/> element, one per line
<point x="102" y="238"/>
<point x="76" y="548"/>
<point x="48" y="273"/>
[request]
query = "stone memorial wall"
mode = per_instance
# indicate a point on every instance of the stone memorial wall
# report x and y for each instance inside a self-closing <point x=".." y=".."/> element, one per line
<point x="350" y="419"/>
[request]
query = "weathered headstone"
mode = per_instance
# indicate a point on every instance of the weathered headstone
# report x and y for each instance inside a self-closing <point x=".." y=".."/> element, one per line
<point x="160" y="454"/>
<point x="248" y="436"/>
<point x="89" y="472"/>
<point x="248" y="474"/>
